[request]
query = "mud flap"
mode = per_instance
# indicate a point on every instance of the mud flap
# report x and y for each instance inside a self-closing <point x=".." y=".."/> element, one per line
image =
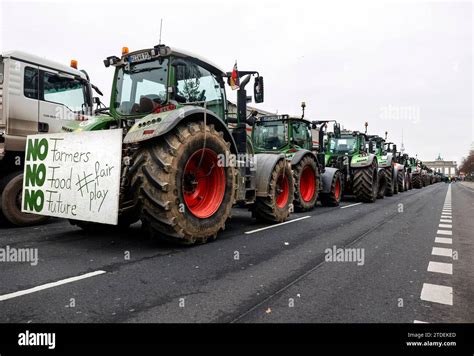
<point x="264" y="164"/>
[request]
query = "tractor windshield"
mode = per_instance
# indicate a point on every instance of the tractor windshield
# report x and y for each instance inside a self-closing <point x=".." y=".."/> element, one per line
<point x="270" y="135"/>
<point x="141" y="87"/>
<point x="342" y="144"/>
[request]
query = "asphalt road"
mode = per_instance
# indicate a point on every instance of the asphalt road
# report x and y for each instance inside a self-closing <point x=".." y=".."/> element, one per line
<point x="279" y="274"/>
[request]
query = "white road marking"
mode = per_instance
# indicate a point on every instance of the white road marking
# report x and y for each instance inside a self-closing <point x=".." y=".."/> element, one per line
<point x="446" y="220"/>
<point x="441" y="251"/>
<point x="49" y="285"/>
<point x="444" y="232"/>
<point x="276" y="225"/>
<point x="446" y="217"/>
<point x="437" y="294"/>
<point x="446" y="226"/>
<point x="419" y="322"/>
<point x="443" y="240"/>
<point x="440" y="267"/>
<point x="348" y="206"/>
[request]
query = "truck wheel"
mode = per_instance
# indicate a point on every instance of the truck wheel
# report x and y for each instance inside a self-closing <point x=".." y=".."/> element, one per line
<point x="401" y="182"/>
<point x="11" y="187"/>
<point x="306" y="178"/>
<point x="390" y="182"/>
<point x="416" y="181"/>
<point x="382" y="184"/>
<point x="276" y="206"/>
<point x="365" y="185"/>
<point x="182" y="192"/>
<point x="334" y="197"/>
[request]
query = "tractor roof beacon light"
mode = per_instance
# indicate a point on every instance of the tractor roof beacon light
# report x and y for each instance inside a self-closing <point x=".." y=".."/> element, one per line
<point x="124" y="51"/>
<point x="74" y="63"/>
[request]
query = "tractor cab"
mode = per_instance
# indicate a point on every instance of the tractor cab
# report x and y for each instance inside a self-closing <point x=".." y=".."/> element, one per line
<point x="281" y="133"/>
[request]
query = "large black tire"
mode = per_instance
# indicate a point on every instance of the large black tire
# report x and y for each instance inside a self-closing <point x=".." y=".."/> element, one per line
<point x="409" y="181"/>
<point x="390" y="181"/>
<point x="334" y="197"/>
<point x="401" y="182"/>
<point x="182" y="193"/>
<point x="276" y="206"/>
<point x="365" y="183"/>
<point x="306" y="177"/>
<point x="395" y="184"/>
<point x="417" y="181"/>
<point x="11" y="188"/>
<point x="382" y="184"/>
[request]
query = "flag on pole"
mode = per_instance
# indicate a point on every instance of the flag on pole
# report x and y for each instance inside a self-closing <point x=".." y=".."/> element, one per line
<point x="234" y="78"/>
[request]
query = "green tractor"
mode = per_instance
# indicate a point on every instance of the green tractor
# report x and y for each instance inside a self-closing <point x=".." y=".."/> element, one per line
<point x="172" y="108"/>
<point x="351" y="153"/>
<point x="414" y="167"/>
<point x="404" y="160"/>
<point x="293" y="137"/>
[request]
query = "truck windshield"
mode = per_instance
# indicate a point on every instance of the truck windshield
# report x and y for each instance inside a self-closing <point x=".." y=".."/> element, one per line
<point x="65" y="91"/>
<point x="141" y="87"/>
<point x="270" y="135"/>
<point x="342" y="145"/>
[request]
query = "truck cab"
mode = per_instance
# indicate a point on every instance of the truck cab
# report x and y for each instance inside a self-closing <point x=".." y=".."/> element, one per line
<point x="36" y="96"/>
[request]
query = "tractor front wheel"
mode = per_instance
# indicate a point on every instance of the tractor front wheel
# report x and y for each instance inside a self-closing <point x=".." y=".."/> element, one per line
<point x="401" y="181"/>
<point x="275" y="207"/>
<point x="183" y="192"/>
<point x="334" y="197"/>
<point x="365" y="183"/>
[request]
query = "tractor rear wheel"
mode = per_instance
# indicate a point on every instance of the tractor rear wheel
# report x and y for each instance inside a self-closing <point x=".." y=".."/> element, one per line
<point x="306" y="177"/>
<point x="11" y="188"/>
<point x="275" y="207"/>
<point x="365" y="183"/>
<point x="409" y="182"/>
<point x="382" y="184"/>
<point x="333" y="198"/>
<point x="390" y="183"/>
<point x="417" y="181"/>
<point x="183" y="192"/>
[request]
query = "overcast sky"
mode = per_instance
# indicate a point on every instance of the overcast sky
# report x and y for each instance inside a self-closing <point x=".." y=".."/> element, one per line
<point x="398" y="66"/>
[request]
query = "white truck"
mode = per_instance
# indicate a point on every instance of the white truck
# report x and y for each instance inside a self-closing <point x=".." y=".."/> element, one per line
<point x="37" y="95"/>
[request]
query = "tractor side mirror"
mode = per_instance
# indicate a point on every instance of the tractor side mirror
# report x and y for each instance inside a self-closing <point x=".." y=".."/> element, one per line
<point x="394" y="148"/>
<point x="258" y="90"/>
<point x="337" y="130"/>
<point x="371" y="146"/>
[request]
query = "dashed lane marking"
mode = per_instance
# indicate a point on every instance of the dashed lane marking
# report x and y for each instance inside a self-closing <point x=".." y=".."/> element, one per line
<point x="442" y="251"/>
<point x="444" y="232"/>
<point x="446" y="220"/>
<point x="448" y="226"/>
<point x="437" y="294"/>
<point x="349" y="206"/>
<point x="277" y="225"/>
<point x="443" y="240"/>
<point x="49" y="285"/>
<point x="440" y="267"/>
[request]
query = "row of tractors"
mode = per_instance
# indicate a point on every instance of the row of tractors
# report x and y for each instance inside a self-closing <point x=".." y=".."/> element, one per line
<point x="173" y="111"/>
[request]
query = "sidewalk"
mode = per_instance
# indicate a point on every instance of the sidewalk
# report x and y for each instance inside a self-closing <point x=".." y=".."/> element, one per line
<point x="469" y="185"/>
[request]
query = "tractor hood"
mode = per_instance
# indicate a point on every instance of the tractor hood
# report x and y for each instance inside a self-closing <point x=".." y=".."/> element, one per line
<point x="89" y="123"/>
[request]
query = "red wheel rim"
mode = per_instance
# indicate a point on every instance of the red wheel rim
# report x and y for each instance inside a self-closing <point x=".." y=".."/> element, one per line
<point x="282" y="191"/>
<point x="203" y="183"/>
<point x="337" y="189"/>
<point x="307" y="184"/>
